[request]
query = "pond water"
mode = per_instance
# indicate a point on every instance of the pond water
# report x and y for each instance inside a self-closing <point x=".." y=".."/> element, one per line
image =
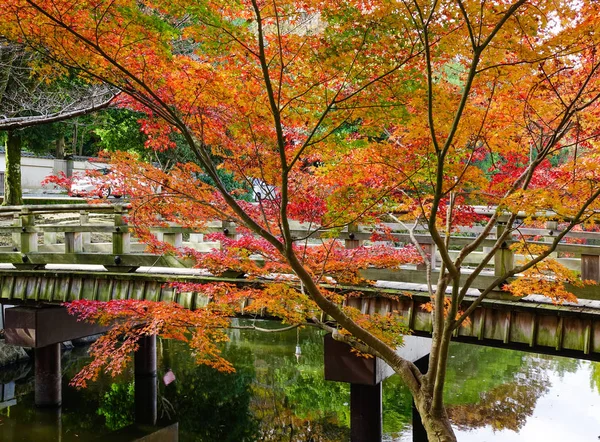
<point x="492" y="395"/>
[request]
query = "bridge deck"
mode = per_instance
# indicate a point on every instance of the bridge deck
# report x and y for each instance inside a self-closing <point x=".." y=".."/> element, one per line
<point x="501" y="320"/>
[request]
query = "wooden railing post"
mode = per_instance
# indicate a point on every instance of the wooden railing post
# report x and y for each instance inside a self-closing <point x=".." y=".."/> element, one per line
<point x="16" y="236"/>
<point x="229" y="229"/>
<point x="590" y="267"/>
<point x="73" y="242"/>
<point x="504" y="257"/>
<point x="121" y="242"/>
<point x="121" y="238"/>
<point x="553" y="227"/>
<point x="86" y="237"/>
<point x="29" y="240"/>
<point x="352" y="242"/>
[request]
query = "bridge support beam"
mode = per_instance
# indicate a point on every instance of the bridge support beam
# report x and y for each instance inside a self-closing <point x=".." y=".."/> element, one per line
<point x="146" y="387"/>
<point x="365" y="377"/>
<point x="366" y="423"/>
<point x="48" y="374"/>
<point x="39" y="327"/>
<point x="419" y="433"/>
<point x="44" y="328"/>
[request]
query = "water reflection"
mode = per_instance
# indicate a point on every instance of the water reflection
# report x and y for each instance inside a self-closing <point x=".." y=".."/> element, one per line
<point x="276" y="396"/>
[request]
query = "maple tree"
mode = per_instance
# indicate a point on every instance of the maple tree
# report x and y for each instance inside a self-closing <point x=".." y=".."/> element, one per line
<point x="347" y="112"/>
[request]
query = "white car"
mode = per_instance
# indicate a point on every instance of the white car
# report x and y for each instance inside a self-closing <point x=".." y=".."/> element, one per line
<point x="89" y="186"/>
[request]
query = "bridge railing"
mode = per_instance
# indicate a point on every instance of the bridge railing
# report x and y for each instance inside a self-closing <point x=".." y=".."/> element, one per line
<point x="75" y="234"/>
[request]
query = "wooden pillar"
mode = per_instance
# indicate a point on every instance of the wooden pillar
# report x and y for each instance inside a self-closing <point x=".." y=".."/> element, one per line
<point x="28" y="240"/>
<point x="16" y="236"/>
<point x="590" y="267"/>
<point x="364" y="376"/>
<point x="146" y="388"/>
<point x="48" y="389"/>
<point x="419" y="433"/>
<point x="73" y="242"/>
<point x="504" y="257"/>
<point x="121" y="238"/>
<point x="366" y="413"/>
<point x="86" y="237"/>
<point x="121" y="242"/>
<point x="351" y="242"/>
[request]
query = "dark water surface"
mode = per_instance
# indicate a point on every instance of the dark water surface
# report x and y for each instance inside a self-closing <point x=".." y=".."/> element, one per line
<point x="492" y="395"/>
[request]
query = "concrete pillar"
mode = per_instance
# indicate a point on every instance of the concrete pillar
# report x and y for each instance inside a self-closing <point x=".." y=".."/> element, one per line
<point x="48" y="390"/>
<point x="419" y="434"/>
<point x="146" y="387"/>
<point x="366" y="413"/>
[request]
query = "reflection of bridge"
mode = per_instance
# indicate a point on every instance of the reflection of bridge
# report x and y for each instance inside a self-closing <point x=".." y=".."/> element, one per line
<point x="68" y="252"/>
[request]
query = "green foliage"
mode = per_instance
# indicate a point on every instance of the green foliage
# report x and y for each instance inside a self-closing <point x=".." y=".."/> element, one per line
<point x="117" y="406"/>
<point x="118" y="129"/>
<point x="474" y="369"/>
<point x="242" y="190"/>
<point x="40" y="139"/>
<point x="211" y="405"/>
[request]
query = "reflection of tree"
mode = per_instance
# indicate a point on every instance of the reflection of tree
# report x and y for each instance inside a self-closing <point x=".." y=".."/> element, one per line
<point x="291" y="399"/>
<point x="595" y="375"/>
<point x="301" y="397"/>
<point x="475" y="369"/>
<point x="272" y="397"/>
<point x="117" y="406"/>
<point x="210" y="405"/>
<point x="499" y="388"/>
<point x="506" y="406"/>
<point x="280" y="422"/>
<point x="397" y="406"/>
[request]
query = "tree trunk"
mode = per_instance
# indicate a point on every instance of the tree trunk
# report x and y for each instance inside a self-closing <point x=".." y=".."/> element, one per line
<point x="13" y="194"/>
<point x="60" y="147"/>
<point x="438" y="427"/>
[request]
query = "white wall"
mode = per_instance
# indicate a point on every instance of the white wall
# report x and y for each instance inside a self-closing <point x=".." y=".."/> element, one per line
<point x="35" y="169"/>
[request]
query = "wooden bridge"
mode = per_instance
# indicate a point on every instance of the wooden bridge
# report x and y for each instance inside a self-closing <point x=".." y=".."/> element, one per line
<point x="60" y="253"/>
<point x="67" y="252"/>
